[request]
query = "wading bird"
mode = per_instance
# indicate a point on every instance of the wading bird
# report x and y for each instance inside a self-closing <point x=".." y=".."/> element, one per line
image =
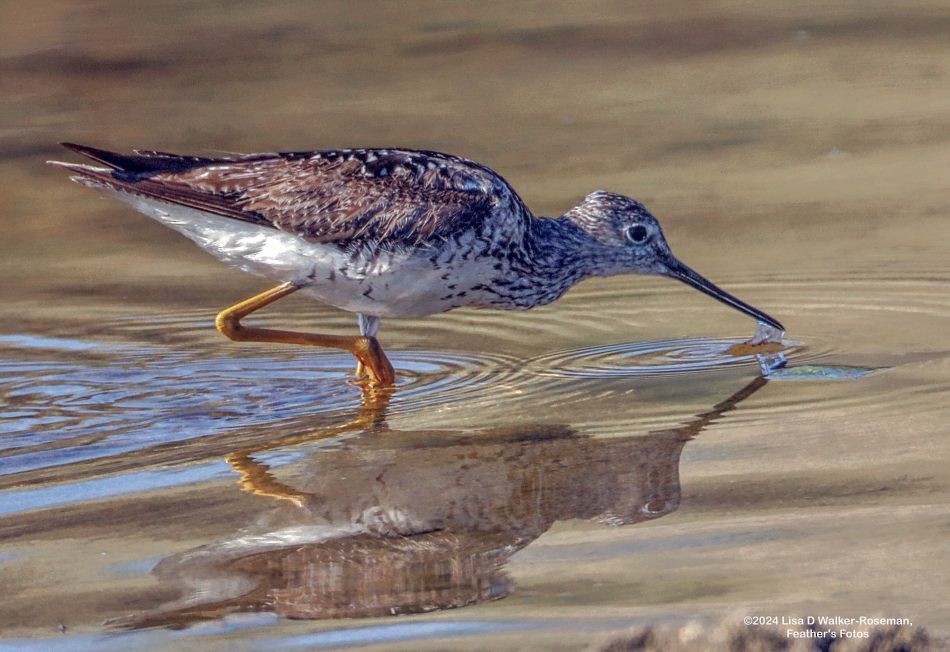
<point x="384" y="233"/>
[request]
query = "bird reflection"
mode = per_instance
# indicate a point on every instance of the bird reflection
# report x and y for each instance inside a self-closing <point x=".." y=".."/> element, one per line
<point x="398" y="522"/>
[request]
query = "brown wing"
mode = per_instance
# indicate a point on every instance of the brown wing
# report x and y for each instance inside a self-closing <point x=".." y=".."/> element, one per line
<point x="393" y="195"/>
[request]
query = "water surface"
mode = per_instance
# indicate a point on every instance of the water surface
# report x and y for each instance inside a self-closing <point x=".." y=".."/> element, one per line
<point x="542" y="478"/>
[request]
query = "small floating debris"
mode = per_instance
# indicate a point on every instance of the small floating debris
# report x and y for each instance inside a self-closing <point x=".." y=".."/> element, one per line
<point x="766" y="340"/>
<point x="766" y="345"/>
<point x="813" y="372"/>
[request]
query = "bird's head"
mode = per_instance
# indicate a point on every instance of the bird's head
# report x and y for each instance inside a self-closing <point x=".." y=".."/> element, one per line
<point x="633" y="243"/>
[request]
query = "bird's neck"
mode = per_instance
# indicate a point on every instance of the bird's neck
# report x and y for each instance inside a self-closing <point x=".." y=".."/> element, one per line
<point x="559" y="251"/>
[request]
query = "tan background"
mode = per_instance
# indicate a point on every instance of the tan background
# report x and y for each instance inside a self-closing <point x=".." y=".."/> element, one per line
<point x="798" y="153"/>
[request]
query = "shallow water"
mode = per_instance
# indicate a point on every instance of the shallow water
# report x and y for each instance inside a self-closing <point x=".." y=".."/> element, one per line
<point x="552" y="476"/>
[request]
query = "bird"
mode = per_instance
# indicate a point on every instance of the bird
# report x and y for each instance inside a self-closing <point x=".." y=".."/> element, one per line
<point x="384" y="232"/>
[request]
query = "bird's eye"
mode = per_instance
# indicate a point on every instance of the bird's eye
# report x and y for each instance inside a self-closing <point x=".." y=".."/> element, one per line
<point x="637" y="234"/>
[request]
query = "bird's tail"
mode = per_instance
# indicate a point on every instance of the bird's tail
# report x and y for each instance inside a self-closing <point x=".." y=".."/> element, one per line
<point x="150" y="175"/>
<point x="122" y="168"/>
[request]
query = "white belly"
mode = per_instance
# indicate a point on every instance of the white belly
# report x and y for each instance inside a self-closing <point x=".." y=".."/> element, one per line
<point x="404" y="283"/>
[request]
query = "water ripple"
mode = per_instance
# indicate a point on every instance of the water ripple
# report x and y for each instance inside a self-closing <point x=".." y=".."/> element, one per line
<point x="660" y="358"/>
<point x="64" y="412"/>
<point x="140" y="382"/>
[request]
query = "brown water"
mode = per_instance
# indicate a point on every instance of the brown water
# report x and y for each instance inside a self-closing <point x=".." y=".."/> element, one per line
<point x="562" y="473"/>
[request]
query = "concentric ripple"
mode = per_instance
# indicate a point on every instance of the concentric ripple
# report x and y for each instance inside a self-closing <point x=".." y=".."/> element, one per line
<point x="135" y="383"/>
<point x="660" y="358"/>
<point x="59" y="409"/>
<point x="429" y="378"/>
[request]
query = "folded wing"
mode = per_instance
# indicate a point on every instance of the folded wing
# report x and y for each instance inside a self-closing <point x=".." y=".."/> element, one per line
<point x="394" y="196"/>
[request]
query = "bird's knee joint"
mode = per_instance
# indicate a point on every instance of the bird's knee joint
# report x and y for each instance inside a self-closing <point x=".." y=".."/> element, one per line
<point x="229" y="325"/>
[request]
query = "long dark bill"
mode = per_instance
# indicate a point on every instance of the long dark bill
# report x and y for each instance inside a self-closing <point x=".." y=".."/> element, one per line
<point x="681" y="272"/>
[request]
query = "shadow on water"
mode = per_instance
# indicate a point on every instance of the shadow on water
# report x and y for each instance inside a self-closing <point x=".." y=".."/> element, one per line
<point x="403" y="521"/>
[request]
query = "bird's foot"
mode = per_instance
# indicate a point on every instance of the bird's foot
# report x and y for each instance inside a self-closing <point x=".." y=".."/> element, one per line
<point x="372" y="365"/>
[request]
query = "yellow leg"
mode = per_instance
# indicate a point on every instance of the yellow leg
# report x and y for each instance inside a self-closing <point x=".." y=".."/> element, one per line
<point x="367" y="351"/>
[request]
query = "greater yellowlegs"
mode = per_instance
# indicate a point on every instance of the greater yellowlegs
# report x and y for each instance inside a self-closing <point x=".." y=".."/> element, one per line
<point x="384" y="233"/>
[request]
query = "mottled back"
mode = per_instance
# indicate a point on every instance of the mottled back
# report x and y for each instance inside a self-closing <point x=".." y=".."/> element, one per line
<point x="395" y="196"/>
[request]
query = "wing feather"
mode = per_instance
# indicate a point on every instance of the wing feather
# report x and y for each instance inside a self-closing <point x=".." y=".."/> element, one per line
<point x="390" y="195"/>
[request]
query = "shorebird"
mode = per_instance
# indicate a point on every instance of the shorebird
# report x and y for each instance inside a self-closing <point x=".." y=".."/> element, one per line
<point x="384" y="233"/>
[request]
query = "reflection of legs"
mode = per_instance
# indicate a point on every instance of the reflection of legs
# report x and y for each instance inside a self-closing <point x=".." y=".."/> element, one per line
<point x="256" y="477"/>
<point x="367" y="351"/>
